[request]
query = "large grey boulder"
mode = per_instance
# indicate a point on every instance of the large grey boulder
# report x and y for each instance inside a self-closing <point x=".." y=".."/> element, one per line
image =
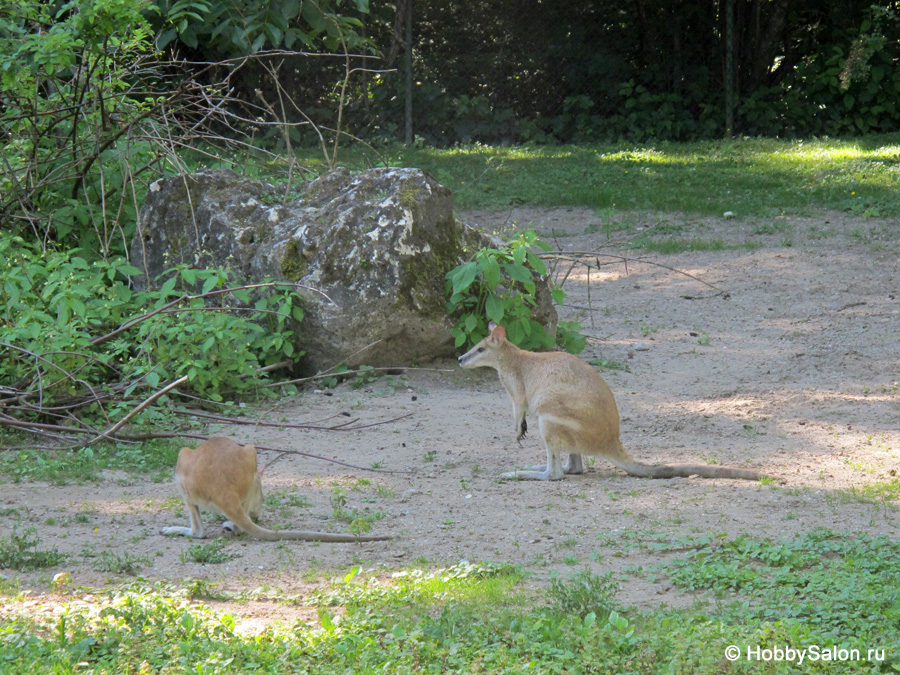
<point x="375" y="244"/>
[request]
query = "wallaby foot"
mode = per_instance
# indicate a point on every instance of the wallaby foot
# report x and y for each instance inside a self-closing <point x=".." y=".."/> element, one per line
<point x="180" y="532"/>
<point x="532" y="475"/>
<point x="573" y="464"/>
<point x="231" y="527"/>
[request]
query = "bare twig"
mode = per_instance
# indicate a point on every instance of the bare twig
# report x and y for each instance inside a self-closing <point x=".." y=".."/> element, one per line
<point x="578" y="258"/>
<point x="321" y="376"/>
<point x="118" y="425"/>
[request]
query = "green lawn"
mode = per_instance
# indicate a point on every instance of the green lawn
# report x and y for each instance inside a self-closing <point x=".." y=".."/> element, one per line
<point x="749" y="177"/>
<point x="830" y="597"/>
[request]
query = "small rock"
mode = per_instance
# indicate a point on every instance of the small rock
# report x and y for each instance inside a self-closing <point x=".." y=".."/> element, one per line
<point x="641" y="347"/>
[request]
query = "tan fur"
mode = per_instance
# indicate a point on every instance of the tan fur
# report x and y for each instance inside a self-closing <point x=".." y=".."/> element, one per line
<point x="575" y="410"/>
<point x="221" y="476"/>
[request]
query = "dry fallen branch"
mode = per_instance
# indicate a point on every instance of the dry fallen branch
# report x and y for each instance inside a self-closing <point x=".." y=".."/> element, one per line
<point x="586" y="258"/>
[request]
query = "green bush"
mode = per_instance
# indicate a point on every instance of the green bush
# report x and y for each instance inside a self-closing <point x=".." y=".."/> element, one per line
<point x="68" y="326"/>
<point x="498" y="285"/>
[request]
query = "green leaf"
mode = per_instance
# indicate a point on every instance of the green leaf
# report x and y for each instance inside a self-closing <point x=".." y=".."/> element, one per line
<point x="518" y="272"/>
<point x="558" y="295"/>
<point x="463" y="276"/>
<point x="519" y="254"/>
<point x="493" y="308"/>
<point x="537" y="264"/>
<point x="490" y="270"/>
<point x="210" y="284"/>
<point x="168" y="287"/>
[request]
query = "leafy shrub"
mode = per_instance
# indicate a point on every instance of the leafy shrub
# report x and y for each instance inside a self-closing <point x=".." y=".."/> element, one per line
<point x="67" y="76"/>
<point x="63" y="328"/>
<point x="498" y="285"/>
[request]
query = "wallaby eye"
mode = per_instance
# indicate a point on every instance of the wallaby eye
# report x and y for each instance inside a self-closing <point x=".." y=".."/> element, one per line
<point x="480" y="349"/>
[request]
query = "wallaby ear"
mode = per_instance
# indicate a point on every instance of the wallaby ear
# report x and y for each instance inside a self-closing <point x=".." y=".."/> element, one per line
<point x="497" y="332"/>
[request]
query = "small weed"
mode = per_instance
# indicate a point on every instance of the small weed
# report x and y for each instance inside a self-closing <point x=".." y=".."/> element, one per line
<point x="584" y="593"/>
<point x="120" y="563"/>
<point x="609" y="364"/>
<point x="366" y="375"/>
<point x="775" y="227"/>
<point x="201" y="589"/>
<point x="211" y="553"/>
<point x="430" y="456"/>
<point x="881" y="493"/>
<point x="360" y="484"/>
<point x="358" y="523"/>
<point x="861" y="466"/>
<point x="20" y="551"/>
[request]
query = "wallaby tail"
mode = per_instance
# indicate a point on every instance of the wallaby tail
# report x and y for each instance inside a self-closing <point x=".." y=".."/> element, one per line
<point x="635" y="468"/>
<point x="304" y="535"/>
<point x="260" y="532"/>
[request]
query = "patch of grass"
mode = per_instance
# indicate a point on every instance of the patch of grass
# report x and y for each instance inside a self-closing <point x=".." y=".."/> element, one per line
<point x="748" y="176"/>
<point x="385" y="492"/>
<point x="358" y="522"/>
<point x="610" y="364"/>
<point x="86" y="465"/>
<point x="882" y="493"/>
<point x="284" y="503"/>
<point x="822" y="579"/>
<point x="584" y="593"/>
<point x="674" y="245"/>
<point x="120" y="563"/>
<point x="210" y="553"/>
<point x="19" y="551"/>
<point x="823" y="589"/>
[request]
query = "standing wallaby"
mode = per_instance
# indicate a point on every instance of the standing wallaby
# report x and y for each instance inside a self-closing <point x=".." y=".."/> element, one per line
<point x="575" y="409"/>
<point x="220" y="475"/>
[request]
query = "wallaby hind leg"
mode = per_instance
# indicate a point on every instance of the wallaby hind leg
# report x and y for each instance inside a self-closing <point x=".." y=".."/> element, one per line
<point x="195" y="530"/>
<point x="552" y="470"/>
<point x="573" y="464"/>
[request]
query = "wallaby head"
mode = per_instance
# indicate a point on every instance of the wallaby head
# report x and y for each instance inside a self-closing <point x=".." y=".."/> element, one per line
<point x="486" y="353"/>
<point x="221" y="476"/>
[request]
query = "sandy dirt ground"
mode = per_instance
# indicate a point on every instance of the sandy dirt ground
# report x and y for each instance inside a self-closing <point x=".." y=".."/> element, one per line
<point x="794" y="372"/>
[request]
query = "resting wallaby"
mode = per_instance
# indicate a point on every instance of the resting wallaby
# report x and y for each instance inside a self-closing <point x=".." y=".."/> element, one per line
<point x="220" y="475"/>
<point x="575" y="409"/>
